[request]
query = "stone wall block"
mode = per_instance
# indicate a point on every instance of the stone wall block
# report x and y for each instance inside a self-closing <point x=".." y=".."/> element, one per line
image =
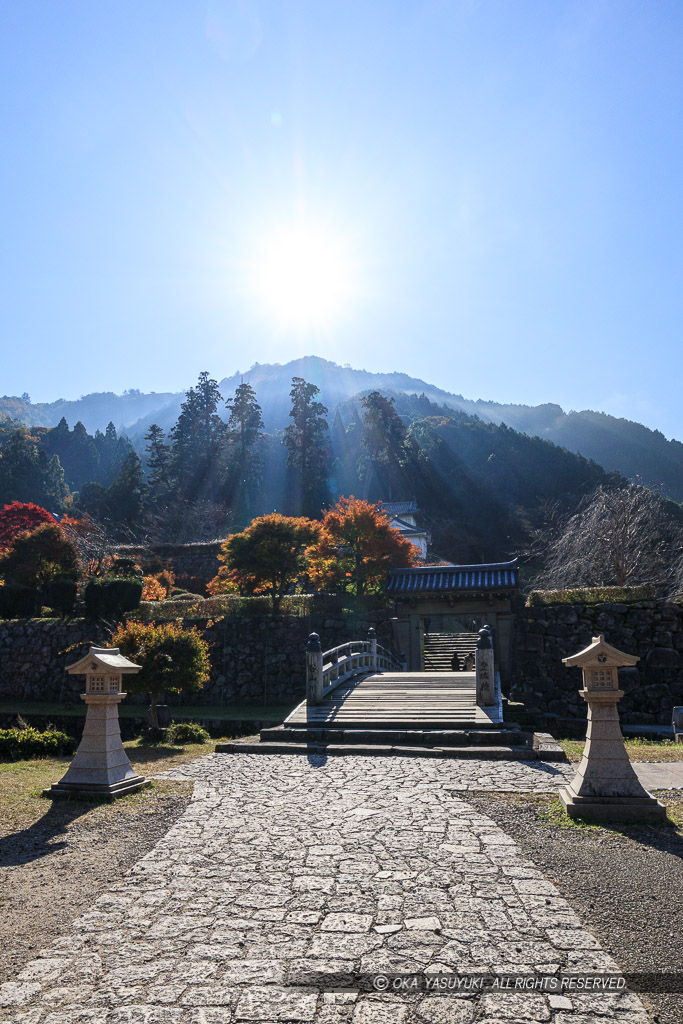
<point x="663" y="657"/>
<point x="629" y="679"/>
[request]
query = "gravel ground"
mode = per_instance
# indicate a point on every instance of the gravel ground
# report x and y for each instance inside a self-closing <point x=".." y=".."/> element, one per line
<point x="54" y="870"/>
<point x="625" y="886"/>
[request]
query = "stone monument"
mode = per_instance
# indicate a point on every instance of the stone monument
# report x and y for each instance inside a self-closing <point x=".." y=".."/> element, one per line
<point x="605" y="786"/>
<point x="485" y="670"/>
<point x="314" y="670"/>
<point x="100" y="766"/>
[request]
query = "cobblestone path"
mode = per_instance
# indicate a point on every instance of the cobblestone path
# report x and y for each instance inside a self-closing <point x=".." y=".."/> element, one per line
<point x="285" y="869"/>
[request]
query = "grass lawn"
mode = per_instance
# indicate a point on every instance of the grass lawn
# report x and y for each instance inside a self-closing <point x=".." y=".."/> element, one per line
<point x="22" y="783"/>
<point x="192" y="712"/>
<point x="551" y="812"/>
<point x="638" y="749"/>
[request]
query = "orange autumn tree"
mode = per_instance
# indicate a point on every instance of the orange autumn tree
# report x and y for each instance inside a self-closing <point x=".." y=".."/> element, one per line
<point x="356" y="548"/>
<point x="266" y="558"/>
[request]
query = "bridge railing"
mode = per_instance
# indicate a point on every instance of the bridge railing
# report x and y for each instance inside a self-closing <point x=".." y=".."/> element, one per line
<point x="326" y="670"/>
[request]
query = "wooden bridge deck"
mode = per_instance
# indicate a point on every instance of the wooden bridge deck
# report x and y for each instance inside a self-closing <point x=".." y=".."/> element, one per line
<point x="437" y="700"/>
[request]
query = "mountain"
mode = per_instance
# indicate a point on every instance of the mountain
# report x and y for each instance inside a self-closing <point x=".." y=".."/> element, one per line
<point x="616" y="444"/>
<point x="94" y="411"/>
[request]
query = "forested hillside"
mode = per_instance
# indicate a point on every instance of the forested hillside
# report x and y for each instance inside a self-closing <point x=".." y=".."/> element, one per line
<point x="483" y="488"/>
<point x="614" y="443"/>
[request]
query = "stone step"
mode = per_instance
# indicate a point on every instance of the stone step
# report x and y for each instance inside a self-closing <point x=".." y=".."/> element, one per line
<point x="502" y="753"/>
<point x="388" y="737"/>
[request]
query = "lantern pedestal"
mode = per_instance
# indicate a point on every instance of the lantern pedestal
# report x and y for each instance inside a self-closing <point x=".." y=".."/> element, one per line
<point x="605" y="787"/>
<point x="100" y="766"/>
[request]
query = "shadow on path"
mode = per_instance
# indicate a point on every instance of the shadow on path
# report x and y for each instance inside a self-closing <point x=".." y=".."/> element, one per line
<point x="31" y="843"/>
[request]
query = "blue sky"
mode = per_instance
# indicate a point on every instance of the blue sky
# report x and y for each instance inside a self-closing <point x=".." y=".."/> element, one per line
<point x="501" y="179"/>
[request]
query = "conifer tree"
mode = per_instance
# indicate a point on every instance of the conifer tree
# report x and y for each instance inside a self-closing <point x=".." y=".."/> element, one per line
<point x="124" y="498"/>
<point x="112" y="451"/>
<point x="383" y="442"/>
<point x="158" y="460"/>
<point x="307" y="440"/>
<point x="27" y="473"/>
<point x="197" y="438"/>
<point x="245" y="463"/>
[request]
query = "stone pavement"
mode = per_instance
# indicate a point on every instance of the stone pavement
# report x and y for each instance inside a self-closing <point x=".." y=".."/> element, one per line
<point x="660" y="774"/>
<point x="286" y="870"/>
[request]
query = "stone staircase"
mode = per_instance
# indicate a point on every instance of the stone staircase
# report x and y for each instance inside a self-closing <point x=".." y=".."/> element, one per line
<point x="497" y="743"/>
<point x="439" y="649"/>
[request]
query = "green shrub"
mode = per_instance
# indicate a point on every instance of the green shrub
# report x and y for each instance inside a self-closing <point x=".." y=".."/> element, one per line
<point x="112" y="596"/>
<point x="590" y="595"/>
<point x="17" y="602"/>
<point x="60" y="595"/>
<point x="180" y="733"/>
<point x="152" y="734"/>
<point x="22" y="744"/>
<point x="126" y="568"/>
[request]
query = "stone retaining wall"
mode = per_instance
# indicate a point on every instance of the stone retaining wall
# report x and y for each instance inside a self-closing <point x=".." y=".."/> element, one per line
<point x="261" y="660"/>
<point x="651" y="629"/>
<point x="253" y="660"/>
<point x="34" y="653"/>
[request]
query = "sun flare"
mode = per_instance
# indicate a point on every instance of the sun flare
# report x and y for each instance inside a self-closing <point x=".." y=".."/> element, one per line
<point x="302" y="277"/>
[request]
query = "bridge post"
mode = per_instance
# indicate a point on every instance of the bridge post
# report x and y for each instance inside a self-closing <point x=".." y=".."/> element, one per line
<point x="484" y="670"/>
<point x="372" y="638"/>
<point x="314" y="669"/>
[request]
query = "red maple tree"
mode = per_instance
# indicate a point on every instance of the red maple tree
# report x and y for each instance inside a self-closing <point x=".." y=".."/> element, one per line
<point x="21" y="517"/>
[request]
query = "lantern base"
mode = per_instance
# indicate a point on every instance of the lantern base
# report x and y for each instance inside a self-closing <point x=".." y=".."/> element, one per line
<point x="80" y="790"/>
<point x="612" y="808"/>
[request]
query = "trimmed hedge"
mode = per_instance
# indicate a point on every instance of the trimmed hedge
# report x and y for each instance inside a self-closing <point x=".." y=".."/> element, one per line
<point x="60" y="595"/>
<point x="17" y="602"/>
<point x="195" y="608"/>
<point x="23" y="744"/>
<point x="590" y="595"/>
<point x="111" y="596"/>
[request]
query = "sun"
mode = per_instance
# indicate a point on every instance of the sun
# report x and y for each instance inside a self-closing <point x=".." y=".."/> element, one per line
<point x="302" y="276"/>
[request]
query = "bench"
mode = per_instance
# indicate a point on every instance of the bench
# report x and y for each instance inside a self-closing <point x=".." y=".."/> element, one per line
<point x="677" y="722"/>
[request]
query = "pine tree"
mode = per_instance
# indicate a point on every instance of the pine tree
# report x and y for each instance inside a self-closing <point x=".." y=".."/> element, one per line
<point x="307" y="440"/>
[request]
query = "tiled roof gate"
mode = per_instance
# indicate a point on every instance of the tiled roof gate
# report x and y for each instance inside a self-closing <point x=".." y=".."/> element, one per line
<point x="495" y="576"/>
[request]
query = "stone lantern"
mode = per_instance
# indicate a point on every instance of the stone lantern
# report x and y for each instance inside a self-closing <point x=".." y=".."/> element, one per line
<point x="605" y="785"/>
<point x="100" y="766"/>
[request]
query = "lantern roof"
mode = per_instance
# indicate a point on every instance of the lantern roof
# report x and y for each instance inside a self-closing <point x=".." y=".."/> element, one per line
<point x="107" y="658"/>
<point x="599" y="652"/>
